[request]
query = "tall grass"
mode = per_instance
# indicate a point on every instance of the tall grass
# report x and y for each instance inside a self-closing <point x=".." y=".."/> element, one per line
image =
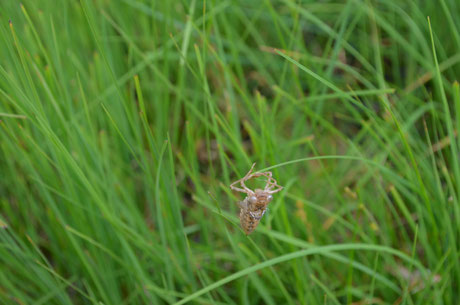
<point x="124" y="122"/>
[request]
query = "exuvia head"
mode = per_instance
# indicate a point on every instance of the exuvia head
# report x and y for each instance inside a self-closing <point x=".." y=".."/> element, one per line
<point x="260" y="196"/>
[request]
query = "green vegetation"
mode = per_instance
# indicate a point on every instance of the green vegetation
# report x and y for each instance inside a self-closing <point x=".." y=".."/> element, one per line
<point x="122" y="124"/>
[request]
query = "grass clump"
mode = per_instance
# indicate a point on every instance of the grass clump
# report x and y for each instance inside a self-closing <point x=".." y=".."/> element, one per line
<point x="124" y="122"/>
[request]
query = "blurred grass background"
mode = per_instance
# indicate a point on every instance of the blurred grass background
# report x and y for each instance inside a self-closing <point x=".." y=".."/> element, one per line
<point x="122" y="124"/>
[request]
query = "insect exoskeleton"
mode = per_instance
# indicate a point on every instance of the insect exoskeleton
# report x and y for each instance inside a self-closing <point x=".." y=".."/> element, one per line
<point x="254" y="206"/>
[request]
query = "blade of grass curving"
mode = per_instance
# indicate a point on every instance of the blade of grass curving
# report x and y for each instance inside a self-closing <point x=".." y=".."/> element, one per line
<point x="298" y="254"/>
